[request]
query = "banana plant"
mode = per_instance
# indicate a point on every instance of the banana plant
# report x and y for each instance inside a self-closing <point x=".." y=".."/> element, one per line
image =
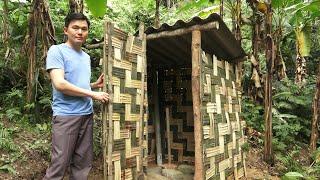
<point x="300" y="15"/>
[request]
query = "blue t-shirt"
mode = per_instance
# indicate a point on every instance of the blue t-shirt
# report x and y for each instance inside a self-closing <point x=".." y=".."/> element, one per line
<point x="77" y="71"/>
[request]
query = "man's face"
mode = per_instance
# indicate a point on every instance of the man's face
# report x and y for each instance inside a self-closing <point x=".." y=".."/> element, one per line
<point x="77" y="32"/>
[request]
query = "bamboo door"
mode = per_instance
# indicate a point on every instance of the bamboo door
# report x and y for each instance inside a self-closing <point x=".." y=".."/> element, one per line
<point x="125" y="117"/>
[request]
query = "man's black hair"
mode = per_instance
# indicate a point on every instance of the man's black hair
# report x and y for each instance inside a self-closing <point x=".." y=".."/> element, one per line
<point x="75" y="16"/>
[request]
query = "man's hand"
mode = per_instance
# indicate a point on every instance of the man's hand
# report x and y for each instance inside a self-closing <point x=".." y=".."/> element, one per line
<point x="100" y="96"/>
<point x="98" y="83"/>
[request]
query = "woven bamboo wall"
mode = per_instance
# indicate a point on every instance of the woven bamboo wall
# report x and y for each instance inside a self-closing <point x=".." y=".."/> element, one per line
<point x="128" y="57"/>
<point x="177" y="95"/>
<point x="222" y="128"/>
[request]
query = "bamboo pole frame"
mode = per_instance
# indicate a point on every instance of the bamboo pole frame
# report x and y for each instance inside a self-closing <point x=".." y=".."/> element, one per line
<point x="108" y="108"/>
<point x="168" y="135"/>
<point x="196" y="92"/>
<point x="155" y="96"/>
<point x="142" y="36"/>
<point x="179" y="32"/>
<point x="104" y="110"/>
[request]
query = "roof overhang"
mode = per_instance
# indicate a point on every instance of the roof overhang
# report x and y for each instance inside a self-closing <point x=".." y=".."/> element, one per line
<point x="171" y="45"/>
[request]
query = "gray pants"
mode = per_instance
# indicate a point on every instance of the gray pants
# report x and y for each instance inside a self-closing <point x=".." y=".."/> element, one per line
<point x="72" y="145"/>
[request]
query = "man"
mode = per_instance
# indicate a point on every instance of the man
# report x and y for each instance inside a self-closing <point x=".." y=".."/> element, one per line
<point x="72" y="122"/>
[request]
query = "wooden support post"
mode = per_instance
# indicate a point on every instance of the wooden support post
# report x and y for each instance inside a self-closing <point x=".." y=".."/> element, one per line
<point x="109" y="27"/>
<point x="142" y="36"/>
<point x="155" y="95"/>
<point x="104" y="110"/>
<point x="168" y="135"/>
<point x="196" y="69"/>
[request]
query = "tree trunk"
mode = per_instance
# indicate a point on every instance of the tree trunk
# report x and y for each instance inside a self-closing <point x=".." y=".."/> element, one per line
<point x="237" y="34"/>
<point x="255" y="89"/>
<point x="31" y="50"/>
<point x="221" y="8"/>
<point x="5" y="24"/>
<point x="268" y="154"/>
<point x="40" y="27"/>
<point x="76" y="6"/>
<point x="157" y="15"/>
<point x="315" y="117"/>
<point x="301" y="72"/>
<point x="279" y="62"/>
<point x="238" y="21"/>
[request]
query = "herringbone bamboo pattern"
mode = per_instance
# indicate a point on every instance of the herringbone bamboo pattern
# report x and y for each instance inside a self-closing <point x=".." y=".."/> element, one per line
<point x="222" y="128"/>
<point x="128" y="63"/>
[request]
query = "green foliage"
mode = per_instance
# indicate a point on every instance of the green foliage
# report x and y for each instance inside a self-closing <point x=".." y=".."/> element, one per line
<point x="294" y="169"/>
<point x="289" y="160"/>
<point x="292" y="109"/>
<point x="245" y="147"/>
<point x="13" y="113"/>
<point x="292" y="105"/>
<point x="127" y="15"/>
<point x="41" y="146"/>
<point x="8" y="168"/>
<point x="97" y="138"/>
<point x="6" y="139"/>
<point x="195" y="5"/>
<point x="253" y="114"/>
<point x="291" y="113"/>
<point x="13" y="101"/>
<point x="292" y="176"/>
<point x="43" y="127"/>
<point x="97" y="7"/>
<point x="303" y="35"/>
<point x="6" y="162"/>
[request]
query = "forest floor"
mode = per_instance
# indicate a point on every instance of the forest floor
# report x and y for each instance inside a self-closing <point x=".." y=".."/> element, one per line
<point x="32" y="159"/>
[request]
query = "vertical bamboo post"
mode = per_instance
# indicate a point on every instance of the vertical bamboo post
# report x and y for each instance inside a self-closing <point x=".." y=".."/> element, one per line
<point x="196" y="63"/>
<point x="155" y="95"/>
<point x="142" y="36"/>
<point x="168" y="135"/>
<point x="104" y="108"/>
<point x="109" y="63"/>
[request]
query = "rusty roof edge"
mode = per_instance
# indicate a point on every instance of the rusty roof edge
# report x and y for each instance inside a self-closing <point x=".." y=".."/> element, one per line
<point x="181" y="24"/>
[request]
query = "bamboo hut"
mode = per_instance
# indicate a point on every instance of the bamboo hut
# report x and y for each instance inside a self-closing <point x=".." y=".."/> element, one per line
<point x="175" y="99"/>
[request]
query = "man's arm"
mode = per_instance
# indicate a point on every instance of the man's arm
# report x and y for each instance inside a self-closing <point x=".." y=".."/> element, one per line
<point x="62" y="85"/>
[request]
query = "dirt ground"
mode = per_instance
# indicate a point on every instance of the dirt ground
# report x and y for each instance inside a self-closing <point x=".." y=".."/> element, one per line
<point x="35" y="166"/>
<point x="32" y="164"/>
<point x="257" y="168"/>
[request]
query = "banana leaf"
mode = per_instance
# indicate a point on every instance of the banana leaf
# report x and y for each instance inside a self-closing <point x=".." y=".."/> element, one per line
<point x="303" y="36"/>
<point x="97" y="7"/>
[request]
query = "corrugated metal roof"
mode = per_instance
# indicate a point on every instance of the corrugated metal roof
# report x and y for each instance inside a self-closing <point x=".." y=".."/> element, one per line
<point x="176" y="50"/>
